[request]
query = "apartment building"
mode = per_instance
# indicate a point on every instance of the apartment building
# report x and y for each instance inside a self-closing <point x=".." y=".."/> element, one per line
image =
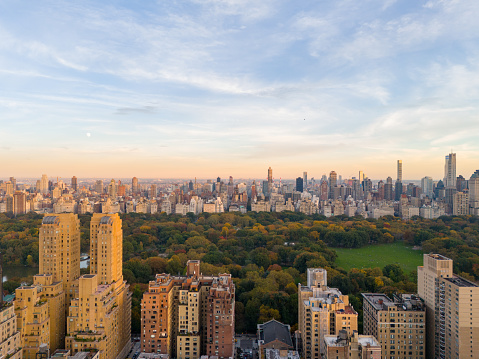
<point x="344" y="346"/>
<point x="452" y="306"/>
<point x="189" y="316"/>
<point x="399" y="324"/>
<point x="322" y="311"/>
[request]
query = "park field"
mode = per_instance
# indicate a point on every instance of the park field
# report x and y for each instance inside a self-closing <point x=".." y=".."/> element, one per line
<point x="379" y="255"/>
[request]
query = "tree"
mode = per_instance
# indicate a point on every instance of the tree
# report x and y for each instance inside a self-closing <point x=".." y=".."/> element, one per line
<point x="266" y="314"/>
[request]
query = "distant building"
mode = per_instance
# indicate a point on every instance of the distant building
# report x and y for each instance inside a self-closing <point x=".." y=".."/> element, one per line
<point x="299" y="184"/>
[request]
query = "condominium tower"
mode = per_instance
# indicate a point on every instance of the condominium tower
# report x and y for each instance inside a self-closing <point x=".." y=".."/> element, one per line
<point x="450" y="171"/>
<point x="100" y="317"/>
<point x="452" y="306"/>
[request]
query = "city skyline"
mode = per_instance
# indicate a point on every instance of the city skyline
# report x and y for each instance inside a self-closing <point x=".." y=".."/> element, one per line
<point x="176" y="89"/>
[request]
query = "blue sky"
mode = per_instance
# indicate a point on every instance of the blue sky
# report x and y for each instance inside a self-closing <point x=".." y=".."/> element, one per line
<point x="207" y="88"/>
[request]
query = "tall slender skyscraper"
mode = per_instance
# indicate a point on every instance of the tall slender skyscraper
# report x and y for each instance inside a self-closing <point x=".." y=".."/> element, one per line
<point x="450" y="171"/>
<point x="399" y="171"/>
<point x="305" y="179"/>
<point x="270" y="175"/>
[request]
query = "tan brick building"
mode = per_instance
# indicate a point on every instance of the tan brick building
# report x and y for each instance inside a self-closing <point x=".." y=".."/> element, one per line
<point x="322" y="311"/>
<point x="33" y="320"/>
<point x="186" y="317"/>
<point x="452" y="305"/>
<point x="100" y="317"/>
<point x="399" y="324"/>
<point x="10" y="343"/>
<point x="59" y="252"/>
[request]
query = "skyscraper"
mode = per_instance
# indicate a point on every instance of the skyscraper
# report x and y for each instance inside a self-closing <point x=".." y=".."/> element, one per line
<point x="299" y="184"/>
<point x="333" y="182"/>
<point x="59" y="253"/>
<point x="427" y="186"/>
<point x="74" y="183"/>
<point x="134" y="185"/>
<point x="99" y="186"/>
<point x="450" y="171"/>
<point x="305" y="179"/>
<point x="19" y="202"/>
<point x="100" y="318"/>
<point x="270" y="175"/>
<point x="452" y="304"/>
<point x="474" y="194"/>
<point x="112" y="189"/>
<point x="399" y="171"/>
<point x="44" y="184"/>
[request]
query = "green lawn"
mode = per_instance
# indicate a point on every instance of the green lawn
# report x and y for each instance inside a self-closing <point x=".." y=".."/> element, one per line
<point x="379" y="255"/>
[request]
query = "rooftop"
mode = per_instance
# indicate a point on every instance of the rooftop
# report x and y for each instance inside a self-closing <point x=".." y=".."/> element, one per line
<point x="406" y="302"/>
<point x="461" y="282"/>
<point x="439" y="257"/>
<point x="274" y="330"/>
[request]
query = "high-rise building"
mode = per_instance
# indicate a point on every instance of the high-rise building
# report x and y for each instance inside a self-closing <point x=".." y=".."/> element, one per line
<point x="44" y="184"/>
<point x="10" y="339"/>
<point x="399" y="325"/>
<point x="333" y="182"/>
<point x="299" y="184"/>
<point x="460" y="204"/>
<point x="461" y="183"/>
<point x="398" y="190"/>
<point x="13" y="181"/>
<point x="112" y="189"/>
<point x="427" y="186"/>
<point x="9" y="191"/>
<point x="450" y="171"/>
<point x="388" y="189"/>
<point x="33" y="321"/>
<point x="19" y="202"/>
<point x="196" y="311"/>
<point x="74" y="183"/>
<point x="474" y="194"/>
<point x="270" y="175"/>
<point x="452" y="304"/>
<point x="100" y="317"/>
<point x="153" y="191"/>
<point x="99" y="186"/>
<point x="399" y="177"/>
<point x="305" y="179"/>
<point x="361" y="176"/>
<point x="134" y="185"/>
<point x="322" y="311"/>
<point x="59" y="253"/>
<point x="10" y="343"/>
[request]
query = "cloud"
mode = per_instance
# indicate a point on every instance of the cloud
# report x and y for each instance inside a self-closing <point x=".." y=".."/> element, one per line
<point x="129" y="110"/>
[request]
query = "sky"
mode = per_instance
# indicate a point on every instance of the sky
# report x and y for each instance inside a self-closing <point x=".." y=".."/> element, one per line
<point x="212" y="88"/>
